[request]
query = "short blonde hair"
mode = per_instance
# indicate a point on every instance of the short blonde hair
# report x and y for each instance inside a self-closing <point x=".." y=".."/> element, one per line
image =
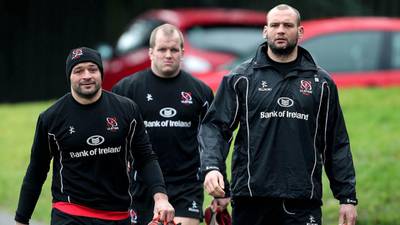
<point x="168" y="30"/>
<point x="284" y="7"/>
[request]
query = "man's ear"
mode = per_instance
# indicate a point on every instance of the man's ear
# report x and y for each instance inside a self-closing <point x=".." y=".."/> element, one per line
<point x="264" y="33"/>
<point x="150" y="53"/>
<point x="300" y="32"/>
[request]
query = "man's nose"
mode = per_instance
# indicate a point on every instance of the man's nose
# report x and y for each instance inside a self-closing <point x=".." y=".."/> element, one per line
<point x="86" y="74"/>
<point x="281" y="28"/>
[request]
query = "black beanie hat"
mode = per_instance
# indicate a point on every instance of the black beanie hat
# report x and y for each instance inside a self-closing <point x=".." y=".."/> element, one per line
<point x="82" y="54"/>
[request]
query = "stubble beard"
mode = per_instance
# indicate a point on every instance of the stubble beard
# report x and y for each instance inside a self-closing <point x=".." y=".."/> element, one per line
<point x="282" y="51"/>
<point x="87" y="94"/>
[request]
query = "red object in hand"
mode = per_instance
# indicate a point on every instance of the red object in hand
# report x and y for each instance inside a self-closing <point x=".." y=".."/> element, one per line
<point x="157" y="221"/>
<point x="219" y="217"/>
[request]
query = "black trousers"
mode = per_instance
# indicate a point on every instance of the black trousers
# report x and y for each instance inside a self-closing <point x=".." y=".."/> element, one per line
<point x="267" y="211"/>
<point x="60" y="218"/>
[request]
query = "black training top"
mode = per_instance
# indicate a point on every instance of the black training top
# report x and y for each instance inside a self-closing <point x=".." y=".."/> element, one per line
<point x="91" y="146"/>
<point x="172" y="109"/>
<point x="290" y="126"/>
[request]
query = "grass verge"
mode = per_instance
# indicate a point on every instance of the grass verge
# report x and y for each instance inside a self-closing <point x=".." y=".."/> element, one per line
<point x="373" y="122"/>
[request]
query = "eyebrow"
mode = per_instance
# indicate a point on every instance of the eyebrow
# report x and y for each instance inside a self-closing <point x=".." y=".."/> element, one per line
<point x="81" y="66"/>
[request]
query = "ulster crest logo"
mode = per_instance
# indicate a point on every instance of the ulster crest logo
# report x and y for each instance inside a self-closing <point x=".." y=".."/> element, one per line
<point x="305" y="87"/>
<point x="112" y="124"/>
<point x="186" y="97"/>
<point x="76" y="53"/>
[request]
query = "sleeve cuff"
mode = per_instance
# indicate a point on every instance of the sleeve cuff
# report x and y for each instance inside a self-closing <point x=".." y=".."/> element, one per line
<point x="352" y="201"/>
<point x="21" y="219"/>
<point x="158" y="189"/>
<point x="210" y="168"/>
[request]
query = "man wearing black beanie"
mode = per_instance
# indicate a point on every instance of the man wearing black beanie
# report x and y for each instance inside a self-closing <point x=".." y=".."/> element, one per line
<point x="93" y="136"/>
<point x="82" y="54"/>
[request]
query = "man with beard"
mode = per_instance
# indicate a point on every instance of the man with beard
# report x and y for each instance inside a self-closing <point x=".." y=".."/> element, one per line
<point x="290" y="125"/>
<point x="92" y="136"/>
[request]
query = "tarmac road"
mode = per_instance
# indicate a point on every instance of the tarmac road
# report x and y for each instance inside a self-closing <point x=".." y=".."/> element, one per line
<point x="7" y="219"/>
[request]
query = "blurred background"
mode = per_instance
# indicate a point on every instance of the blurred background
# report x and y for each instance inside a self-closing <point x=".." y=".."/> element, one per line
<point x="362" y="54"/>
<point x="37" y="34"/>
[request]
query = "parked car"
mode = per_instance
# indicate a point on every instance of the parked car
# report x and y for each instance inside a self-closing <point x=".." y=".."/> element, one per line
<point x="356" y="51"/>
<point x="213" y="37"/>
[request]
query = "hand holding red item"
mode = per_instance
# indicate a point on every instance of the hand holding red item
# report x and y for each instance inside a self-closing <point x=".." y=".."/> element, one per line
<point x="157" y="221"/>
<point x="217" y="215"/>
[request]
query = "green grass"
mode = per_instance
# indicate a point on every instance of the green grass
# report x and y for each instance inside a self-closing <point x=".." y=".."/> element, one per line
<point x="373" y="122"/>
<point x="17" y="128"/>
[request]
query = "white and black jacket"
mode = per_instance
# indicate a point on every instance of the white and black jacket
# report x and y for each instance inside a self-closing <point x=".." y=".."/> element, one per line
<point x="290" y="126"/>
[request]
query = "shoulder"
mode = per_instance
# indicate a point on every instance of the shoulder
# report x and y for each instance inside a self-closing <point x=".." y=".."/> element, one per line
<point x="195" y="82"/>
<point x="58" y="109"/>
<point x="325" y="76"/>
<point x="117" y="99"/>
<point x="239" y="74"/>
<point x="242" y="68"/>
<point x="120" y="103"/>
<point x="58" y="105"/>
<point x="130" y="80"/>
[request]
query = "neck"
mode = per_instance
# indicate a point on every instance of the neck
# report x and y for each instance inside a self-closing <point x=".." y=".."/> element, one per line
<point x="283" y="58"/>
<point x="86" y="100"/>
<point x="159" y="74"/>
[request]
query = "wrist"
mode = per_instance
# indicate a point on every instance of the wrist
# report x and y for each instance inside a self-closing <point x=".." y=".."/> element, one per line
<point x="211" y="168"/>
<point x="160" y="196"/>
<point x="352" y="201"/>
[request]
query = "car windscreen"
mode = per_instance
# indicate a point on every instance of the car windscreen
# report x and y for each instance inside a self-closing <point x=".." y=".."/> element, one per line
<point x="395" y="46"/>
<point x="136" y="36"/>
<point x="231" y="39"/>
<point x="353" y="51"/>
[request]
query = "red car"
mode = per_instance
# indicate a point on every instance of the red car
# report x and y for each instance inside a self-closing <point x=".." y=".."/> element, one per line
<point x="356" y="51"/>
<point x="213" y="37"/>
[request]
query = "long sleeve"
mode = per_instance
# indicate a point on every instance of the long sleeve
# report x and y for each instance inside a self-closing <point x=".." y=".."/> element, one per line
<point x="145" y="159"/>
<point x="338" y="158"/>
<point x="35" y="175"/>
<point x="209" y="98"/>
<point x="217" y="128"/>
